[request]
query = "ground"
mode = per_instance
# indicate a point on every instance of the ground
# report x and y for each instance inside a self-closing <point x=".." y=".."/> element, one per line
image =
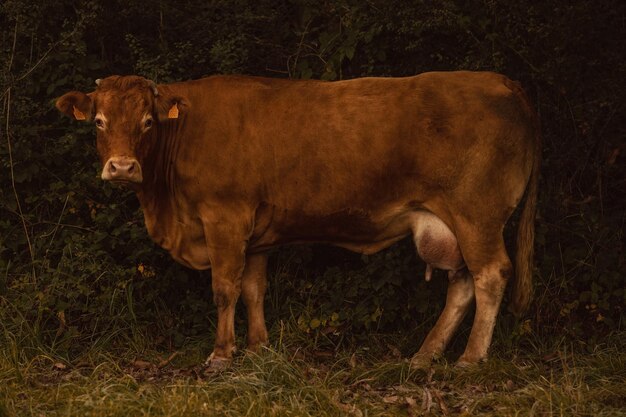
<point x="294" y="379"/>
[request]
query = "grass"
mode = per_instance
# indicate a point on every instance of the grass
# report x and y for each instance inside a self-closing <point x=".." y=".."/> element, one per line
<point x="292" y="378"/>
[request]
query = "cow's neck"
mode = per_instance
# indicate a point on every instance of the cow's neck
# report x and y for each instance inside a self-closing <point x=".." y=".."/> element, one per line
<point x="157" y="195"/>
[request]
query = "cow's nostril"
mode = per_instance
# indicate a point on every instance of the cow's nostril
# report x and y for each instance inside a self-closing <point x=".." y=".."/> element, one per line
<point x="122" y="169"/>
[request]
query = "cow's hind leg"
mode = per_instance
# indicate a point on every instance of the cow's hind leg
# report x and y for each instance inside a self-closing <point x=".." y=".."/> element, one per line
<point x="486" y="258"/>
<point x="460" y="296"/>
<point x="254" y="284"/>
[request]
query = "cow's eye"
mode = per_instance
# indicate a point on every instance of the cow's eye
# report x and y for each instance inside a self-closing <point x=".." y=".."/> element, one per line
<point x="99" y="123"/>
<point x="148" y="123"/>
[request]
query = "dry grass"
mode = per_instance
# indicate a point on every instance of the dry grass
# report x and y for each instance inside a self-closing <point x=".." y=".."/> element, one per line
<point x="288" y="381"/>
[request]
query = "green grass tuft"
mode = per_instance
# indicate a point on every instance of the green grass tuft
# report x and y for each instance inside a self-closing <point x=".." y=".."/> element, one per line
<point x="299" y="380"/>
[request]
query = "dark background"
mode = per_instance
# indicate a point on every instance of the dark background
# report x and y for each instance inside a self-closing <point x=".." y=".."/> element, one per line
<point x="75" y="260"/>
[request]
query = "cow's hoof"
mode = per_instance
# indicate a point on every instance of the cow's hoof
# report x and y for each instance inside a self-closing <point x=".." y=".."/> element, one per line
<point x="256" y="348"/>
<point x="421" y="361"/>
<point x="465" y="363"/>
<point x="216" y="364"/>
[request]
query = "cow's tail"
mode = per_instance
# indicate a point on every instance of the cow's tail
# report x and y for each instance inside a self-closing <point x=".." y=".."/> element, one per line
<point x="523" y="286"/>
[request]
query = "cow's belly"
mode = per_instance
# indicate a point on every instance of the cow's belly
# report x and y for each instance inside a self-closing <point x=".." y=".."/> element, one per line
<point x="353" y="230"/>
<point x="436" y="244"/>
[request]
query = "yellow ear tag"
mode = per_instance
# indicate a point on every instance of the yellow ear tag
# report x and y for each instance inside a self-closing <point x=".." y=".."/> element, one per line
<point x="79" y="115"/>
<point x="173" y="113"/>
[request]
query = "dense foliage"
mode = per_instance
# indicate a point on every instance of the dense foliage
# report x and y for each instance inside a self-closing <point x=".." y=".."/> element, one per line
<point x="75" y="260"/>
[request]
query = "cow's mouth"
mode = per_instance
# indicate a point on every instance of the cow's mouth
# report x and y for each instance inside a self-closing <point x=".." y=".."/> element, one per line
<point x="125" y="183"/>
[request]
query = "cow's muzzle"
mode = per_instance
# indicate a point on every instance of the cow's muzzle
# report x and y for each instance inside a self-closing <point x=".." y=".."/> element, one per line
<point x="122" y="169"/>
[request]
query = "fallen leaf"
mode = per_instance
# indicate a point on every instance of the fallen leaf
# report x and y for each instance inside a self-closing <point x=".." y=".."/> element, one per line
<point x="62" y="323"/>
<point x="427" y="400"/>
<point x="463" y="410"/>
<point x="352" y="361"/>
<point x="411" y="407"/>
<point x="351" y="409"/>
<point x="59" y="366"/>
<point x="402" y="388"/>
<point x="323" y="354"/>
<point x="390" y="399"/>
<point x="441" y="402"/>
<point x="550" y="356"/>
<point x="139" y="364"/>
<point x="613" y="157"/>
<point x="167" y="361"/>
<point x="429" y="377"/>
<point x="330" y="330"/>
<point x="395" y="352"/>
<point x="509" y="385"/>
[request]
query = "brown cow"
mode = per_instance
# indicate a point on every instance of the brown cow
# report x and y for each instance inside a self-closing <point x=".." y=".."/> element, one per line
<point x="228" y="166"/>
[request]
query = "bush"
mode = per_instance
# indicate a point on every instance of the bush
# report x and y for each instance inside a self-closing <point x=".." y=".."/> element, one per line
<point x="74" y="255"/>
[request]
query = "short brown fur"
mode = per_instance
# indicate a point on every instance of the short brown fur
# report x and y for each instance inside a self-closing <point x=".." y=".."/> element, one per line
<point x="251" y="163"/>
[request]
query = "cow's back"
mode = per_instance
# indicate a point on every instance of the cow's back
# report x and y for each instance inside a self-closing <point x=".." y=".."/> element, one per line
<point x="333" y="141"/>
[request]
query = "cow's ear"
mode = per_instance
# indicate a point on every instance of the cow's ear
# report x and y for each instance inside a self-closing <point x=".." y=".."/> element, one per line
<point x="171" y="107"/>
<point x="76" y="104"/>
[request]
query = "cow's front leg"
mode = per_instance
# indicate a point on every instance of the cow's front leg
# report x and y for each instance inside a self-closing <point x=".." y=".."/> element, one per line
<point x="254" y="284"/>
<point x="226" y="274"/>
<point x="227" y="255"/>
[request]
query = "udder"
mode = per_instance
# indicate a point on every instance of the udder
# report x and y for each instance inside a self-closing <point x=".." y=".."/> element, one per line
<point x="436" y="244"/>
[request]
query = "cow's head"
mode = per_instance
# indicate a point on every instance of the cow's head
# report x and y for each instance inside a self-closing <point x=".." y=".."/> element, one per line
<point x="127" y="112"/>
